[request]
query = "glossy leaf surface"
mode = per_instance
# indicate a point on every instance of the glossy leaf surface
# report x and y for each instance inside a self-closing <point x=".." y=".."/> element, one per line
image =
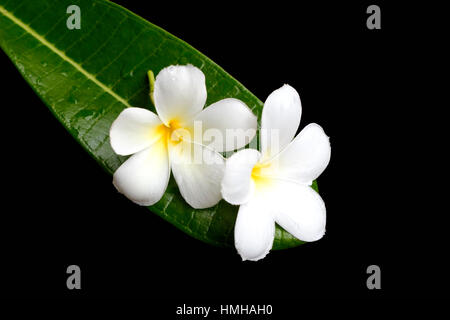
<point x="87" y="76"/>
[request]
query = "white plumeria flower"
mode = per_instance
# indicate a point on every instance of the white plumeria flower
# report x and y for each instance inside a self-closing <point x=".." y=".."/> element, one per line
<point x="164" y="141"/>
<point x="274" y="186"/>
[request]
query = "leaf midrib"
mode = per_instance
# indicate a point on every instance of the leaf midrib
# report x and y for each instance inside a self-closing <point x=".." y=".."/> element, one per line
<point x="62" y="55"/>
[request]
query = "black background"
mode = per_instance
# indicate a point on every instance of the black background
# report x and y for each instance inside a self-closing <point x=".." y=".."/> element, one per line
<point x="59" y="208"/>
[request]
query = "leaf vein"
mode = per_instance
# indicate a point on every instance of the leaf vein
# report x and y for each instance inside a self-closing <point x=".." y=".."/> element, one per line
<point x="105" y="42"/>
<point x="62" y="55"/>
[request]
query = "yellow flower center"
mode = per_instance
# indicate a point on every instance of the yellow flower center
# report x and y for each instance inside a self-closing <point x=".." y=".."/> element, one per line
<point x="260" y="174"/>
<point x="172" y="133"/>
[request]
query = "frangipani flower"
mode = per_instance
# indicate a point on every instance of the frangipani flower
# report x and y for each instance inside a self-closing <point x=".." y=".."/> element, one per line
<point x="166" y="140"/>
<point x="274" y="185"/>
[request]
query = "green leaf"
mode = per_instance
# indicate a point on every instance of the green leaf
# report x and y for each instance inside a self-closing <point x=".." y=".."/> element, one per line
<point x="88" y="76"/>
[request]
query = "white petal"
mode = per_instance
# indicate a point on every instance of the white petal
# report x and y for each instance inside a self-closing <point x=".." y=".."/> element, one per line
<point x="254" y="230"/>
<point x="143" y="178"/>
<point x="299" y="210"/>
<point x="227" y="125"/>
<point x="280" y="120"/>
<point x="179" y="93"/>
<point x="305" y="158"/>
<point x="133" y="131"/>
<point x="198" y="172"/>
<point x="237" y="185"/>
